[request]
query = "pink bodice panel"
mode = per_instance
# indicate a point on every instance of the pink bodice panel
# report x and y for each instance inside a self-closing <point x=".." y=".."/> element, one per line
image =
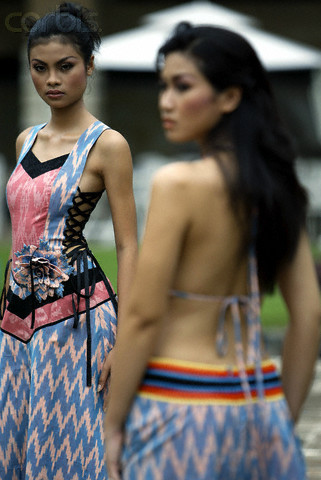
<point x="28" y="201"/>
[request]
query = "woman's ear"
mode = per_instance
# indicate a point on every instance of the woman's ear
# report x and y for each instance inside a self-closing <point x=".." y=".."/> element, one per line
<point x="90" y="66"/>
<point x="231" y="98"/>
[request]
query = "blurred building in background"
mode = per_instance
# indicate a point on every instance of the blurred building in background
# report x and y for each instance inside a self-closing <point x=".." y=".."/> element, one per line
<point x="125" y="96"/>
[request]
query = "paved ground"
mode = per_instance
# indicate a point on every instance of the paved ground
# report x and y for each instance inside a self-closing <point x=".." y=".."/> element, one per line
<point x="309" y="425"/>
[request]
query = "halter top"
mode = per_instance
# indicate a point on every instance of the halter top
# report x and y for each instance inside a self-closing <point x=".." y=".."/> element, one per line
<point x="251" y="306"/>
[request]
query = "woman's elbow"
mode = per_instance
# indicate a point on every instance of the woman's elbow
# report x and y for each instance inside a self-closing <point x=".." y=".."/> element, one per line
<point x="313" y="322"/>
<point x="142" y="317"/>
<point x="315" y="314"/>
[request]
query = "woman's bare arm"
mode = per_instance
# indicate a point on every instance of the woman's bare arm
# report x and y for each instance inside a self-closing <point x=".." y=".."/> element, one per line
<point x="299" y="287"/>
<point x="146" y="307"/>
<point x="149" y="296"/>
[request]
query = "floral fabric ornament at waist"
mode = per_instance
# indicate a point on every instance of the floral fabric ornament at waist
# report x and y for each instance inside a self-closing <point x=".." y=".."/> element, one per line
<point x="40" y="271"/>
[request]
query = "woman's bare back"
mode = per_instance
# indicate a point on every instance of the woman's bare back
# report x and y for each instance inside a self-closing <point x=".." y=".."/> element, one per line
<point x="213" y="261"/>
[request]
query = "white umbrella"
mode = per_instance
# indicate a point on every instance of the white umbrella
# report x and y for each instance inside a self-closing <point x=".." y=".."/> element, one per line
<point x="135" y="50"/>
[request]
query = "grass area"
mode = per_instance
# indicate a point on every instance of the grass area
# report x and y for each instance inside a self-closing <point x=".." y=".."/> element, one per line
<point x="108" y="262"/>
<point x="316" y="252"/>
<point x="4" y="255"/>
<point x="274" y="312"/>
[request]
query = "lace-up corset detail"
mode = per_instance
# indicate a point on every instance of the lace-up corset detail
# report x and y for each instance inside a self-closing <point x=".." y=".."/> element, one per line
<point x="82" y="206"/>
<point x="76" y="249"/>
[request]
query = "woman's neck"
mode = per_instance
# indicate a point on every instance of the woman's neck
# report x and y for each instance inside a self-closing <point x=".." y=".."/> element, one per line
<point x="74" y="118"/>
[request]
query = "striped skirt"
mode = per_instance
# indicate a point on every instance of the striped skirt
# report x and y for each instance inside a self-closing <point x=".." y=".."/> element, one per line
<point x="194" y="421"/>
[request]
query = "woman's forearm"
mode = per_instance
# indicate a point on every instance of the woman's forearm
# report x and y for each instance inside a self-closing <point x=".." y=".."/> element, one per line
<point x="127" y="261"/>
<point x="126" y="258"/>
<point x="301" y="293"/>
<point x="134" y="347"/>
<point x="300" y="351"/>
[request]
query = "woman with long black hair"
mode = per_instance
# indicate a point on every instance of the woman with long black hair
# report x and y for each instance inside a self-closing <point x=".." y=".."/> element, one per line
<point x="194" y="394"/>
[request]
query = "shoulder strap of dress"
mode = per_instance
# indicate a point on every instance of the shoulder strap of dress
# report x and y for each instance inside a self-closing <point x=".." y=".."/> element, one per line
<point x="66" y="183"/>
<point x="29" y="141"/>
<point x="81" y="149"/>
<point x="69" y="176"/>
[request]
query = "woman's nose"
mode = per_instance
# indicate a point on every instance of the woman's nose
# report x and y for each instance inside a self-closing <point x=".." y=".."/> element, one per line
<point x="166" y="100"/>
<point x="53" y="78"/>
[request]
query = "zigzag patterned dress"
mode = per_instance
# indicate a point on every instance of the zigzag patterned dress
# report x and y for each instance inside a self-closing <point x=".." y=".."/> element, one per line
<point x="58" y="325"/>
<point x="195" y="421"/>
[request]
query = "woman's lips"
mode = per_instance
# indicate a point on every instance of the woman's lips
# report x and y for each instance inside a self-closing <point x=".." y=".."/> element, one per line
<point x="54" y="94"/>
<point x="168" y="123"/>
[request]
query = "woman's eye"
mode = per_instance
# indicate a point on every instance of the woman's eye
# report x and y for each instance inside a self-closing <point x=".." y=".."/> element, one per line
<point x="39" y="68"/>
<point x="66" y="66"/>
<point x="182" y="87"/>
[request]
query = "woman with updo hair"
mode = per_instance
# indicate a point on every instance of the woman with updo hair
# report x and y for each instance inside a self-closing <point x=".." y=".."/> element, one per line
<point x="59" y="312"/>
<point x="194" y="394"/>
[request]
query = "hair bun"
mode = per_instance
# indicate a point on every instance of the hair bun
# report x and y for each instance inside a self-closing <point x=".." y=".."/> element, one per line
<point x="71" y="8"/>
<point x="183" y="27"/>
<point x="80" y="12"/>
<point x="186" y="30"/>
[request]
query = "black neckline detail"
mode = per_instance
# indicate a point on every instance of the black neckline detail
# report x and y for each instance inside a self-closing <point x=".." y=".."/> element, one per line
<point x="34" y="168"/>
<point x="64" y="156"/>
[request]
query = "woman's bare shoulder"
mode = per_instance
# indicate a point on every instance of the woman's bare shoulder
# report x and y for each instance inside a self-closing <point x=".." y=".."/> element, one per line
<point x="173" y="171"/>
<point x="173" y="180"/>
<point x="190" y="174"/>
<point x="112" y="142"/>
<point x="111" y="152"/>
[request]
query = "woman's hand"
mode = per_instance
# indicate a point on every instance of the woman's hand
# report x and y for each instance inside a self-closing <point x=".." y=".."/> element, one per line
<point x="114" y="445"/>
<point x="105" y="375"/>
<point x="113" y="435"/>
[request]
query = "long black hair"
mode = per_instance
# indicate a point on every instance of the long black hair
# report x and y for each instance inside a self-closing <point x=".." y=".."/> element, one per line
<point x="266" y="180"/>
<point x="73" y="23"/>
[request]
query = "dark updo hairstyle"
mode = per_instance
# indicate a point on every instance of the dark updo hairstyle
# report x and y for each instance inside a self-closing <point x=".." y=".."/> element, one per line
<point x="73" y="23"/>
<point x="266" y="180"/>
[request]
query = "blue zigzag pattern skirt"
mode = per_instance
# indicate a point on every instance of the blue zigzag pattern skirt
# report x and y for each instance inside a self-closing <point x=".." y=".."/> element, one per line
<point x="192" y="421"/>
<point x="51" y="423"/>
